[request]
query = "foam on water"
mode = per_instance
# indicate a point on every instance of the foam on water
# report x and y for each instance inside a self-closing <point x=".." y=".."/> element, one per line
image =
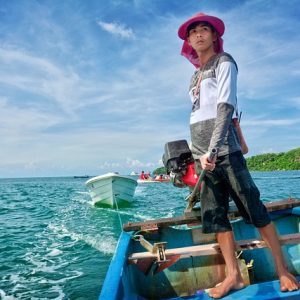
<point x="57" y="289"/>
<point x="103" y="242"/>
<point x="82" y="201"/>
<point x="82" y="193"/>
<point x="114" y="211"/>
<point x="143" y="217"/>
<point x="105" y="245"/>
<point x="3" y="296"/>
<point x="62" y="280"/>
<point x="54" y="252"/>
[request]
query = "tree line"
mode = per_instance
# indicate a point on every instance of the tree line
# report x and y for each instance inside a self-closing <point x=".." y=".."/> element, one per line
<point x="289" y="160"/>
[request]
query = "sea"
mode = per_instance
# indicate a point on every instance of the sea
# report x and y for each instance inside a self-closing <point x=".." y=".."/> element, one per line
<point x="54" y="244"/>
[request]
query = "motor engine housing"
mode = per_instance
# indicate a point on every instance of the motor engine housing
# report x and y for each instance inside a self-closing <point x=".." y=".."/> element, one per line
<point x="179" y="162"/>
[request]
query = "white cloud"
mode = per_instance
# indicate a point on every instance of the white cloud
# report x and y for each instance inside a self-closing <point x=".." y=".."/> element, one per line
<point x="117" y="29"/>
<point x="109" y="165"/>
<point x="271" y="122"/>
<point x="135" y="163"/>
<point x="41" y="77"/>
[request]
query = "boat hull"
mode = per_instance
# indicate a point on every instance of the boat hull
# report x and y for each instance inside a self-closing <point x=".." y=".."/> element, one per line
<point x="187" y="275"/>
<point x="153" y="181"/>
<point x="111" y="190"/>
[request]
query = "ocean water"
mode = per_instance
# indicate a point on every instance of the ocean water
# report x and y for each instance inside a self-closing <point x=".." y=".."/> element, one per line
<point x="55" y="245"/>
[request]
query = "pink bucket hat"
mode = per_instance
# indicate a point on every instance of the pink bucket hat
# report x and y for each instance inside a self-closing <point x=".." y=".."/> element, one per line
<point x="187" y="51"/>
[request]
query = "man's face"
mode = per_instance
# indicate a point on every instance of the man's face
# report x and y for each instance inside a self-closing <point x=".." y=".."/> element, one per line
<point x="201" y="37"/>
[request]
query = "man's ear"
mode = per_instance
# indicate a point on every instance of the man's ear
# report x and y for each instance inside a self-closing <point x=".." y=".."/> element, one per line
<point x="188" y="40"/>
<point x="215" y="37"/>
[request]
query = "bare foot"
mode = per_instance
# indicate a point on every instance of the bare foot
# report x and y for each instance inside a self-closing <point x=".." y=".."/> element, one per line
<point x="288" y="282"/>
<point x="230" y="283"/>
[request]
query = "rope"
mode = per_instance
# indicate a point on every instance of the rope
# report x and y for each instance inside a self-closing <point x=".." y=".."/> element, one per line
<point x="119" y="215"/>
<point x="137" y="237"/>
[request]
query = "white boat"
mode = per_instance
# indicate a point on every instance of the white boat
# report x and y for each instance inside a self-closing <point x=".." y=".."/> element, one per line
<point x="111" y="189"/>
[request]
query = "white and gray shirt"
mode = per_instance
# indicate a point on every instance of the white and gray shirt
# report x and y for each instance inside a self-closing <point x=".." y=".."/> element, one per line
<point x="214" y="106"/>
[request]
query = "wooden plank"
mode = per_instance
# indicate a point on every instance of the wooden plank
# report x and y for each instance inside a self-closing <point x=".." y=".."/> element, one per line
<point x="195" y="216"/>
<point x="214" y="249"/>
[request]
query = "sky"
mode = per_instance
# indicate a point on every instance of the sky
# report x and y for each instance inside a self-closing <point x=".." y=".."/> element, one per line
<point x="94" y="86"/>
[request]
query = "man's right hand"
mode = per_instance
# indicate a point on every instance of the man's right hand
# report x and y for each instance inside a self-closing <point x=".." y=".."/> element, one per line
<point x="206" y="164"/>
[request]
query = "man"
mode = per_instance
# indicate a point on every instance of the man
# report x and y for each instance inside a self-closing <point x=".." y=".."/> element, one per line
<point x="142" y="176"/>
<point x="213" y="95"/>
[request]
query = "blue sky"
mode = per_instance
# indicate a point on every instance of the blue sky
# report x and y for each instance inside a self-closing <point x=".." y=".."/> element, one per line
<point x="88" y="87"/>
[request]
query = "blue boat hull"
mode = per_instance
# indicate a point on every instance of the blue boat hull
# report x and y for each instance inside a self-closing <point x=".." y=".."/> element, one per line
<point x="186" y="276"/>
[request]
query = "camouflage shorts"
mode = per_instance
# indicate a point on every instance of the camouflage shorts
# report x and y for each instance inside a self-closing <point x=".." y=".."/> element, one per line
<point x="230" y="178"/>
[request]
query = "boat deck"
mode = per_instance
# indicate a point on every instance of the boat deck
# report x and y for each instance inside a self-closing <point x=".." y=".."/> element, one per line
<point x="264" y="291"/>
<point x="155" y="260"/>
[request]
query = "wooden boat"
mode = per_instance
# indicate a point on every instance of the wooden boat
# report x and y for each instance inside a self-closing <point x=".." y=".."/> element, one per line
<point x="111" y="189"/>
<point x="155" y="260"/>
<point x="153" y="180"/>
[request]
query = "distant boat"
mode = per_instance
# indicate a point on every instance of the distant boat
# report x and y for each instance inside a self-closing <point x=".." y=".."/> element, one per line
<point x="155" y="180"/>
<point x="152" y="180"/>
<point x="133" y="173"/>
<point x="146" y="181"/>
<point x="111" y="189"/>
<point x="82" y="176"/>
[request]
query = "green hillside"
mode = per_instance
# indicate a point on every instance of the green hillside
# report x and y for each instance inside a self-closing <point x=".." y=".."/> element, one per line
<point x="267" y="162"/>
<point x="275" y="161"/>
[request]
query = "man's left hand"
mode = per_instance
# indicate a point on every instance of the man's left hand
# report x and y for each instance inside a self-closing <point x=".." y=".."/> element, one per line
<point x="206" y="164"/>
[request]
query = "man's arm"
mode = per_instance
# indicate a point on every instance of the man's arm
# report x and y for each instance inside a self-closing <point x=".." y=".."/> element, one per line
<point x="223" y="120"/>
<point x="226" y="75"/>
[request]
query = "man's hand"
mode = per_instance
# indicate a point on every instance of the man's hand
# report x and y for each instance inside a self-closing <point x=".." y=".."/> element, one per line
<point x="206" y="164"/>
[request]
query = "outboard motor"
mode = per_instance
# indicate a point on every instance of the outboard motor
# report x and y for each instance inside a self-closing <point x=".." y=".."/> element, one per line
<point x="179" y="162"/>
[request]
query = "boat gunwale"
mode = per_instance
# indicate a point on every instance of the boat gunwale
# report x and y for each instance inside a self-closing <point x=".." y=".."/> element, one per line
<point x="108" y="176"/>
<point x="287" y="205"/>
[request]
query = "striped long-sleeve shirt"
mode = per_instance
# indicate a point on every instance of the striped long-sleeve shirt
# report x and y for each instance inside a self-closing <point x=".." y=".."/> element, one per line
<point x="214" y="106"/>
